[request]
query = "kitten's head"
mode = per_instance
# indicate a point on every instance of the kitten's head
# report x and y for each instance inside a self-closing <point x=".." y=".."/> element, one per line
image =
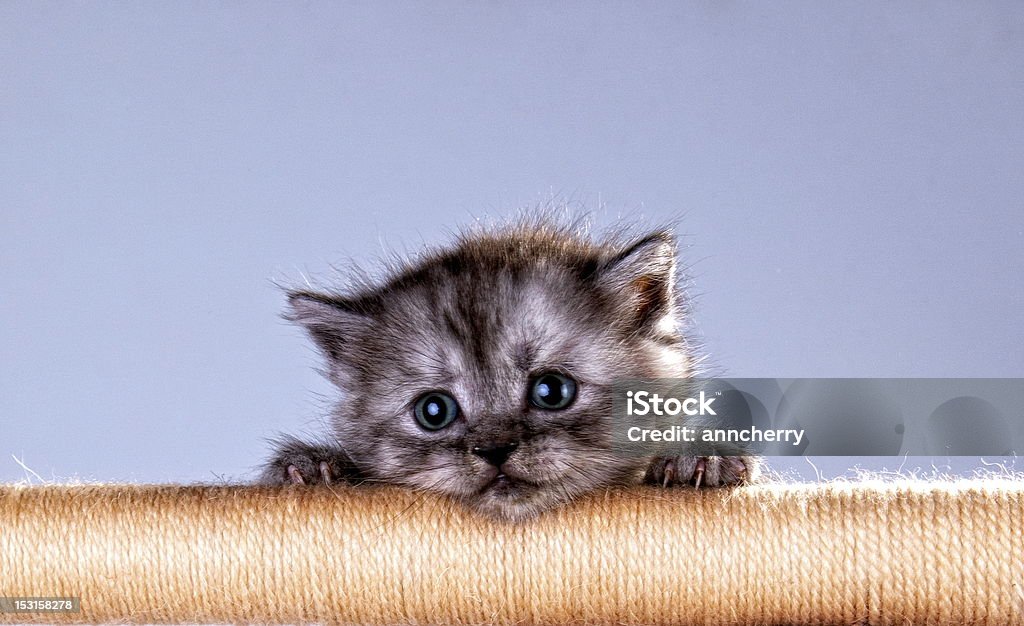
<point x="484" y="371"/>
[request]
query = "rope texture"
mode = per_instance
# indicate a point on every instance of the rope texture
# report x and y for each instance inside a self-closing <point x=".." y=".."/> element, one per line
<point x="917" y="553"/>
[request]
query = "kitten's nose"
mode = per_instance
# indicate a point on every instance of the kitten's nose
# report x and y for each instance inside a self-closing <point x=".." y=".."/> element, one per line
<point x="496" y="454"/>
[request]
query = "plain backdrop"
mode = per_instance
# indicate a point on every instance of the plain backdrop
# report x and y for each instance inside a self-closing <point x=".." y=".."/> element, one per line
<point x="847" y="177"/>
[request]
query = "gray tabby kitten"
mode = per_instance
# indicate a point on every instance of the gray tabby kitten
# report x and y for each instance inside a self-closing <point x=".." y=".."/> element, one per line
<point x="484" y="371"/>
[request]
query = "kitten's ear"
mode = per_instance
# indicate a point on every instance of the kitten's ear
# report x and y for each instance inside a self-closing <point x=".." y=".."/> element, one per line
<point x="642" y="278"/>
<point x="331" y="321"/>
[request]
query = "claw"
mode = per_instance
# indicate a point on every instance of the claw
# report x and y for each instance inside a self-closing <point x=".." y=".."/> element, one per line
<point x="698" y="473"/>
<point x="293" y="473"/>
<point x="325" y="472"/>
<point x="670" y="474"/>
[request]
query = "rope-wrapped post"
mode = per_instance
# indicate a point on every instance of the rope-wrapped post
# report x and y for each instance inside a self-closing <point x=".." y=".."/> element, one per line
<point x="920" y="553"/>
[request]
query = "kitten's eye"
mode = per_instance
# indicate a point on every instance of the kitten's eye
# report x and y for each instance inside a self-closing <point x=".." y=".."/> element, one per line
<point x="435" y="410"/>
<point x="552" y="391"/>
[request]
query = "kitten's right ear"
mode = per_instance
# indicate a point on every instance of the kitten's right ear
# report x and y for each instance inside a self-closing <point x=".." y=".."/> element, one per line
<point x="331" y="321"/>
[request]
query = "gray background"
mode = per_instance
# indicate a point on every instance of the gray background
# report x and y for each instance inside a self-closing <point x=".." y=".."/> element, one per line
<point x="848" y="177"/>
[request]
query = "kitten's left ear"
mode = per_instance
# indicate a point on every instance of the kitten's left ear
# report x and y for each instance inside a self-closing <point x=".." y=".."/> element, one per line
<point x="642" y="277"/>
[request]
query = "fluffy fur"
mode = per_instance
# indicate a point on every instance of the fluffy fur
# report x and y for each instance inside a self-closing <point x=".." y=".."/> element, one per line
<point x="479" y="321"/>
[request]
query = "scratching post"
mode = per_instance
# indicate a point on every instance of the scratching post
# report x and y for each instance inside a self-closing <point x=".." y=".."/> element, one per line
<point x="921" y="553"/>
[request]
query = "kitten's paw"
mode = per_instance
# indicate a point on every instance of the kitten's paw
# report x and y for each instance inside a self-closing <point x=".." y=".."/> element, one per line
<point x="702" y="471"/>
<point x="298" y="463"/>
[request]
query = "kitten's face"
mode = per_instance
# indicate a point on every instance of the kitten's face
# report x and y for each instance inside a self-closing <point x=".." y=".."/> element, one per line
<point x="485" y="373"/>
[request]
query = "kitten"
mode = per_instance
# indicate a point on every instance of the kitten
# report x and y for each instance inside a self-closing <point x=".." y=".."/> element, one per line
<point x="484" y="371"/>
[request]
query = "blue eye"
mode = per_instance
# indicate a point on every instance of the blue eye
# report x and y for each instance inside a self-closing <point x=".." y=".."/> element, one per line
<point x="552" y="391"/>
<point x="435" y="410"/>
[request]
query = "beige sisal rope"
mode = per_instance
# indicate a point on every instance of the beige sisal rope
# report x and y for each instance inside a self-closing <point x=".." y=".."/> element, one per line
<point x="922" y="553"/>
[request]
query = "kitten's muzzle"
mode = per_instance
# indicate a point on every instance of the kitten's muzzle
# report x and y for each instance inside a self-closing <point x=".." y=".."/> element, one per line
<point x="496" y="454"/>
